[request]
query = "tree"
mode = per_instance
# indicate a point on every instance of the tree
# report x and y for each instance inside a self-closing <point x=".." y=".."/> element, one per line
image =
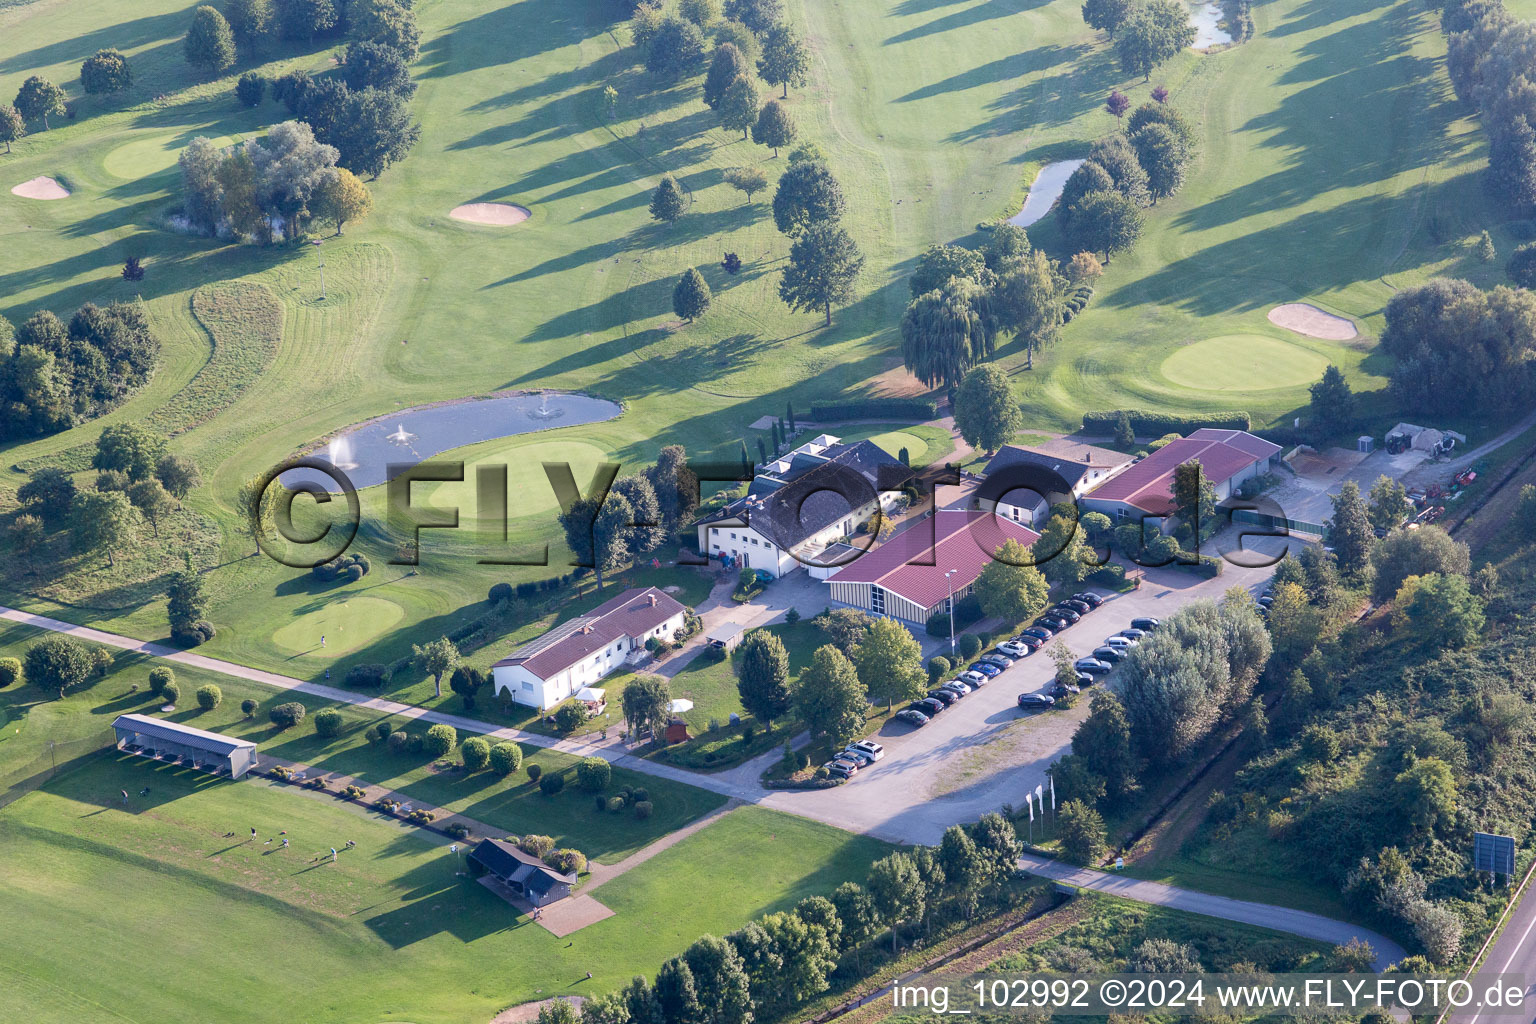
<point x="466" y="681"/>
<point x="1105" y="222"/>
<point x="785" y="61"/>
<point x="12" y="125"/>
<point x="1059" y="552"/>
<point x="58" y="663"/>
<point x="436" y="658"/>
<point x="702" y="13"/>
<point x="1194" y="500"/>
<point x="691" y="296"/>
<point x="758" y="15"/>
<point x="646" y="701"/>
<point x="107" y="71"/>
<point x="251" y="89"/>
<point x="807" y="195"/>
<point x="1294" y="625"/>
<point x="1163" y="156"/>
<point x="248" y="19"/>
<point x="186" y="606"/>
<point x="889" y="662"/>
<point x="845" y="628"/>
<point x="128" y="448"/>
<point x="1349" y="528"/>
<point x="762" y="676"/>
<point x="1438" y="610"/>
<point x="210" y="45"/>
<point x="1029" y="301"/>
<point x="305" y="19"/>
<point x="668" y="201"/>
<point x="50" y="492"/>
<point x="675" y="50"/>
<point x="1154" y="32"/>
<point x="1456" y="345"/>
<point x="1426" y="793"/>
<point x="676" y="486"/>
<point x="598" y="533"/>
<point x="373" y="130"/>
<point x="896" y="891"/>
<point x="376" y="66"/>
<point x="1010" y="587"/>
<point x="946" y="332"/>
<point x="824" y="263"/>
<point x="856" y="913"/>
<point x="610" y="101"/>
<point x="102" y="520"/>
<point x="342" y="197"/>
<point x="939" y="263"/>
<point x="1107" y="15"/>
<point x="1104" y="742"/>
<point x="966" y="870"/>
<point x="37" y="98"/>
<point x="152" y="501"/>
<point x="986" y="412"/>
<point x="1124" y="435"/>
<point x="805" y="955"/>
<point x="1389" y="505"/>
<point x="725" y="67"/>
<point x="1118" y="158"/>
<point x="647" y="527"/>
<point x="676" y="995"/>
<point x="1118" y="103"/>
<point x="1333" y="403"/>
<point x="1082" y="833"/>
<point x="1521" y="267"/>
<point x="1485" y="249"/>
<point x="720" y="980"/>
<point x="749" y="180"/>
<point x="774" y="127"/>
<point x="819" y="912"/>
<point x="830" y="697"/>
<point x="555" y="1011"/>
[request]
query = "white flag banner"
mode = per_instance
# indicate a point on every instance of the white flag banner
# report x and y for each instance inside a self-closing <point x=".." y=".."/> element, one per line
<point x="1040" y="795"/>
<point x="1053" y="792"/>
<point x="1030" y="803"/>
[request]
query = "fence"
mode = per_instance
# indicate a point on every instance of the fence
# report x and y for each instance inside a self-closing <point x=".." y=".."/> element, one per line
<point x="1276" y="523"/>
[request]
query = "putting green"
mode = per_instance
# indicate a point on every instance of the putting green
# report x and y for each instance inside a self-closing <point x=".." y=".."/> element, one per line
<point x="1243" y="362"/>
<point x="528" y="488"/>
<point x="346" y="626"/>
<point x="150" y="154"/>
<point x="894" y="441"/>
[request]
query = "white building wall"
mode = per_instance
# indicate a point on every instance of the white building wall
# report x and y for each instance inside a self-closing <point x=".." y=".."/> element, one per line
<point x="532" y="691"/>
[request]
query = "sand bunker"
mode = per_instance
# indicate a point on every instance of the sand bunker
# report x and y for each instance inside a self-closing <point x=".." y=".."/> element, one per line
<point x="1307" y="319"/>
<point x="41" y="188"/>
<point x="499" y="215"/>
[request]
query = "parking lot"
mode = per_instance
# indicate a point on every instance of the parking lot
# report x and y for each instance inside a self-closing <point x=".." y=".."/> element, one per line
<point x="982" y="752"/>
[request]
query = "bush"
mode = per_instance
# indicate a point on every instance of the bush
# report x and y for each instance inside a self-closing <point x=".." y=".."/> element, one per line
<point x="600" y="803"/>
<point x="318" y="782"/>
<point x="967" y="612"/>
<point x="170" y="693"/>
<point x="248" y="707"/>
<point x="534" y="771"/>
<point x="552" y="783"/>
<point x="506" y="758"/>
<point x="536" y="845"/>
<point x="370" y="676"/>
<point x="917" y="410"/>
<point x="158" y="677"/>
<point x="616" y="803"/>
<point x="458" y="830"/>
<point x="209" y="697"/>
<point x="441" y="739"/>
<point x="251" y="89"/>
<point x="567" y="861"/>
<point x="353" y="792"/>
<point x="970" y="646"/>
<point x="397" y="742"/>
<point x="643" y="809"/>
<point x="938" y="668"/>
<point x="499" y="592"/>
<point x="593" y="774"/>
<point x="286" y="716"/>
<point x="328" y="723"/>
<point x="638" y="793"/>
<point x="1143" y="422"/>
<point x="420" y="816"/>
<point x="385" y="728"/>
<point x="10" y="671"/>
<point x="371" y="734"/>
<point x="570" y="716"/>
<point x="476" y="753"/>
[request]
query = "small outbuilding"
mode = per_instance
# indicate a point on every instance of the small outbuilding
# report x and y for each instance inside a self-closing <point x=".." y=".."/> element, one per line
<point x="178" y="743"/>
<point x="523" y="873"/>
<point x="726" y="635"/>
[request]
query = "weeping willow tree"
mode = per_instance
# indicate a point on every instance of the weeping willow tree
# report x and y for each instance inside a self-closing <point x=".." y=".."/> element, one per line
<point x="947" y="331"/>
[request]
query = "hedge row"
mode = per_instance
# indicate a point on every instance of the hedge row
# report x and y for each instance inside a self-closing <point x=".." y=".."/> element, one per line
<point x="915" y="409"/>
<point x="1080" y="296"/>
<point x="1143" y="422"/>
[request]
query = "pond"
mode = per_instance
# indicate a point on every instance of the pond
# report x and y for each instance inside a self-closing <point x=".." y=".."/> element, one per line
<point x="1206" y="17"/>
<point x="412" y="435"/>
<point x="1044" y="191"/>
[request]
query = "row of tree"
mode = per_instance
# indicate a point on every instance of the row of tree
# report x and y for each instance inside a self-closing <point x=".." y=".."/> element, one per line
<point x="759" y="38"/>
<point x="632" y="515"/>
<point x="54" y="375"/>
<point x="1488" y="58"/>
<point x="105" y="71"/>
<point x="215" y="39"/>
<point x="1147" y="33"/>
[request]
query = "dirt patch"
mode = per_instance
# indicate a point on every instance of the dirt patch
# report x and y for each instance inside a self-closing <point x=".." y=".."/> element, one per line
<point x="499" y="215"/>
<point x="41" y="188"/>
<point x="1305" y="318"/>
<point x="526" y="1012"/>
<point x="897" y="382"/>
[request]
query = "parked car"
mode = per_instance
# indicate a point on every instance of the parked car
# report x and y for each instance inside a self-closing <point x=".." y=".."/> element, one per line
<point x="862" y="760"/>
<point x="1266" y="600"/>
<point x="943" y="696"/>
<point x="1093" y="666"/>
<point x="1036" y="701"/>
<point x="997" y="658"/>
<point x="1066" y="614"/>
<point x="987" y="669"/>
<point x="1028" y="640"/>
<point x="1013" y="649"/>
<point x="956" y="687"/>
<point x="1084" y="679"/>
<point x="1052" y="623"/>
<point x="1113" y="655"/>
<point x="843" y="767"/>
<point x="1091" y="600"/>
<point x="916" y="719"/>
<point x="1081" y="607"/>
<point x="1122" y="642"/>
<point x="1132" y="634"/>
<point x="1148" y="623"/>
<point x="929" y="706"/>
<point x="868" y="748"/>
<point x="1037" y="631"/>
<point x="1058" y="691"/>
<point x="973" y="677"/>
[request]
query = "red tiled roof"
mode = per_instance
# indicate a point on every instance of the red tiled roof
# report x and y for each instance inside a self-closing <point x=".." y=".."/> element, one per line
<point x="912" y="564"/>
<point x="1148" y="485"/>
<point x="632" y="613"/>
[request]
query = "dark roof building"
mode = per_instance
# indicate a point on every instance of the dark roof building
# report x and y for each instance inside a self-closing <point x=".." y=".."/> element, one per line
<point x="173" y="741"/>
<point x="1080" y="466"/>
<point x="1227" y="457"/>
<point x="525" y="874"/>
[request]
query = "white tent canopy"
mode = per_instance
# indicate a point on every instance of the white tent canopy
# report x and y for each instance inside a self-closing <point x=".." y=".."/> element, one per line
<point x="592" y="693"/>
<point x="680" y="705"/>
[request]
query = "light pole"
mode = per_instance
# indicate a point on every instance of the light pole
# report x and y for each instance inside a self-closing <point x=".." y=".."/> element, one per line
<point x="950" y="584"/>
<point x="316" y="243"/>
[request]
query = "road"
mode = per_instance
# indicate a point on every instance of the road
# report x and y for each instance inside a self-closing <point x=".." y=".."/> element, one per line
<point x="1512" y="953"/>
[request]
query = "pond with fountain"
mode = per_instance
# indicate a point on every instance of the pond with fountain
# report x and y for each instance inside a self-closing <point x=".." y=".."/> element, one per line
<point x="402" y="439"/>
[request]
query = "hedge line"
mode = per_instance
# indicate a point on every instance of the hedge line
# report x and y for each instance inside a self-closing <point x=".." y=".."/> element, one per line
<point x="1143" y="422"/>
<point x="916" y="409"/>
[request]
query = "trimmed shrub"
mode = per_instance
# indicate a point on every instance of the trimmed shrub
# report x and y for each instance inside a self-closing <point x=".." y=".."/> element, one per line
<point x="552" y="783"/>
<point x="938" y="668"/>
<point x="420" y="816"/>
<point x="536" y="845"/>
<point x="385" y="728"/>
<point x="170" y="693"/>
<point x="616" y="803"/>
<point x="441" y="739"/>
<point x="643" y="809"/>
<point x="476" y="753"/>
<point x="917" y="410"/>
<point x="286" y="716"/>
<point x="567" y="861"/>
<point x="10" y="671"/>
<point x="158" y="677"/>
<point x="353" y="792"/>
<point x="397" y="742"/>
<point x="251" y="89"/>
<point x="600" y="803"/>
<point x="370" y="676"/>
<point x="571" y="715"/>
<point x="638" y="793"/>
<point x="1143" y="422"/>
<point x="458" y="830"/>
<point x="534" y="771"/>
<point x="328" y="723"/>
<point x="499" y="592"/>
<point x="506" y="758"/>
<point x="970" y="645"/>
<point x="248" y="707"/>
<point x="209" y="697"/>
<point x="593" y="774"/>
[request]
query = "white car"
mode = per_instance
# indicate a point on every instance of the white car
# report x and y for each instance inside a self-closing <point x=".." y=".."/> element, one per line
<point x="1124" y="643"/>
<point x="867" y="749"/>
<point x="1013" y="649"/>
<point x="973" y="677"/>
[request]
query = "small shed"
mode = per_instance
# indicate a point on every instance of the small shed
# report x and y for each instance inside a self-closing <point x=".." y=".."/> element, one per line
<point x="178" y="743"/>
<point x="726" y="635"/>
<point x="526" y="875"/>
<point x="677" y="731"/>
